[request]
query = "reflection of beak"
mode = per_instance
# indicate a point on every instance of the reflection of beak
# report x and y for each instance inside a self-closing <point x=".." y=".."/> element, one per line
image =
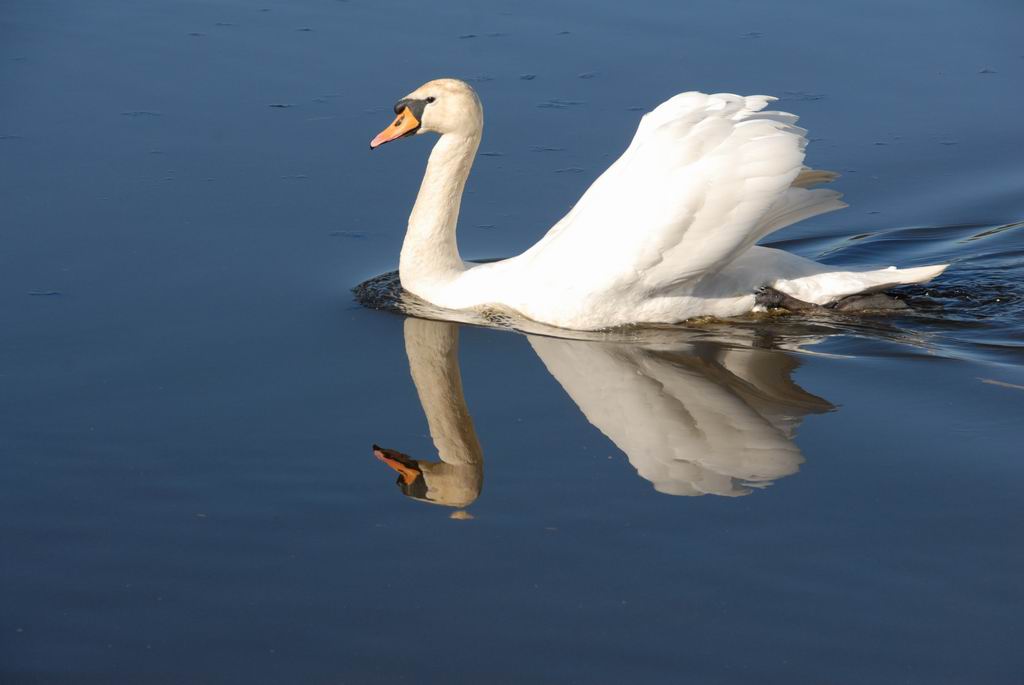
<point x="405" y="124"/>
<point x="403" y="463"/>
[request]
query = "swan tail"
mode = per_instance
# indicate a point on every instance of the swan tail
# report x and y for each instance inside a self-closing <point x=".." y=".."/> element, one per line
<point x="827" y="287"/>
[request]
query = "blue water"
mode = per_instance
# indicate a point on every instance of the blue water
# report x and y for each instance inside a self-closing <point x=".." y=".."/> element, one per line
<point x="190" y="391"/>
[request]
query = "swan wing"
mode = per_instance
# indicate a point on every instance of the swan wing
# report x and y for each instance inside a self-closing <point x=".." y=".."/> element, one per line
<point x="705" y="177"/>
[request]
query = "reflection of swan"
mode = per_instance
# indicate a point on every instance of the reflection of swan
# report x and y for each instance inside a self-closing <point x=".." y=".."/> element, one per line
<point x="433" y="351"/>
<point x="667" y="233"/>
<point x="693" y="419"/>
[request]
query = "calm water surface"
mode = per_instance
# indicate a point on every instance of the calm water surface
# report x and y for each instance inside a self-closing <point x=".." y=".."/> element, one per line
<point x="190" y="393"/>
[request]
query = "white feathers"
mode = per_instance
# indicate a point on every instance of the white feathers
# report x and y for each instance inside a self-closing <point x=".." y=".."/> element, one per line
<point x="828" y="286"/>
<point x="705" y="177"/>
<point x="666" y="233"/>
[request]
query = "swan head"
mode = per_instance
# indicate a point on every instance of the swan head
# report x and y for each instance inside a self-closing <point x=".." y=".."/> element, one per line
<point x="443" y="106"/>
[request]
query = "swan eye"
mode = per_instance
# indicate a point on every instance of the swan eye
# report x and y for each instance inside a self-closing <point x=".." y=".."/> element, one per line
<point x="431" y="99"/>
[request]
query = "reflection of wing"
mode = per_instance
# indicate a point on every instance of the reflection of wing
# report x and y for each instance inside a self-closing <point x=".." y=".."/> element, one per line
<point x="692" y="421"/>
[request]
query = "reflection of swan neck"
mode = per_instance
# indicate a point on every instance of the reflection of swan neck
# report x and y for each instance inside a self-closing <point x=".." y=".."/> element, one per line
<point x="433" y="351"/>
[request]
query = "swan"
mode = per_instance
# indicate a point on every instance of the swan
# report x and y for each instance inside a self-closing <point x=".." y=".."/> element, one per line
<point x="666" y="233"/>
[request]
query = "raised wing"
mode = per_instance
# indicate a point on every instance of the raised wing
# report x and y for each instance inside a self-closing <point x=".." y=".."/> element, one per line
<point x="705" y="177"/>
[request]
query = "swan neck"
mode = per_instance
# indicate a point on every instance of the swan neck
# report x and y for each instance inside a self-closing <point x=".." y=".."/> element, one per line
<point x="430" y="252"/>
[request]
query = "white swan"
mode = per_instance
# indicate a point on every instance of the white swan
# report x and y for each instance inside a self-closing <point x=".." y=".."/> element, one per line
<point x="666" y="234"/>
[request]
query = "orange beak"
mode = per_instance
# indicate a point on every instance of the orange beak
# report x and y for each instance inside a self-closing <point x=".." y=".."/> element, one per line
<point x="405" y="124"/>
<point x="397" y="461"/>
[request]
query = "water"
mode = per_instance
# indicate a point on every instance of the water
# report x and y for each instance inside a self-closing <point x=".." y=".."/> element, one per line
<point x="190" y="392"/>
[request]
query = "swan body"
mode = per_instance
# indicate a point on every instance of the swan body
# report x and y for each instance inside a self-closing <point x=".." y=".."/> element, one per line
<point x="667" y="233"/>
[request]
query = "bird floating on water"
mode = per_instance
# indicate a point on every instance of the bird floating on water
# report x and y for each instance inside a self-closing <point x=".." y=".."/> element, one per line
<point x="666" y="233"/>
